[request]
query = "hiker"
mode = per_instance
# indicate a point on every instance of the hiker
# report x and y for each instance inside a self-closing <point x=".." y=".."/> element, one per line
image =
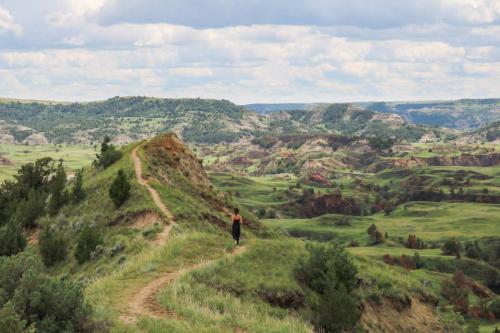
<point x="237" y="222"/>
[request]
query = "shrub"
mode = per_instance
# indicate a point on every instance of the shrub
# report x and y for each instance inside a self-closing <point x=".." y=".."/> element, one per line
<point x="455" y="291"/>
<point x="378" y="237"/>
<point x="58" y="194"/>
<point x="337" y="310"/>
<point x="108" y="155"/>
<point x="88" y="241"/>
<point x="371" y="229"/>
<point x="29" y="209"/>
<point x="10" y="321"/>
<point x="150" y="232"/>
<point x="11" y="270"/>
<point x="323" y="262"/>
<point x="473" y="327"/>
<point x="414" y="243"/>
<point x="12" y="240"/>
<point x="343" y="221"/>
<point x="50" y="304"/>
<point x="120" y="189"/>
<point x="329" y="272"/>
<point x="28" y="297"/>
<point x="494" y="307"/>
<point x="472" y="250"/>
<point x="78" y="193"/>
<point x="53" y="246"/>
<point x="451" y="247"/>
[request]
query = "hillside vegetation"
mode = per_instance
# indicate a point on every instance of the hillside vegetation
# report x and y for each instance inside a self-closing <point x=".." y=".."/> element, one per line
<point x="354" y="220"/>
<point x="127" y="119"/>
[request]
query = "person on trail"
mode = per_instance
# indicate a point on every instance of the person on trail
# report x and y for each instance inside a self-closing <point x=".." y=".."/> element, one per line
<point x="237" y="222"/>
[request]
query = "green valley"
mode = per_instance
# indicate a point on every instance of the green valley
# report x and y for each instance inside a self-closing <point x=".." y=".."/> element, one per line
<point x="353" y="220"/>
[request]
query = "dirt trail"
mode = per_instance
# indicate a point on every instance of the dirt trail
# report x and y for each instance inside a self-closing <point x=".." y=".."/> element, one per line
<point x="145" y="183"/>
<point x="162" y="237"/>
<point x="144" y="302"/>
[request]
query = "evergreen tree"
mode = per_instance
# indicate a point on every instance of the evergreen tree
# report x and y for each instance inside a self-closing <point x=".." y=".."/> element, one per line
<point x="337" y="310"/>
<point x="88" y="240"/>
<point x="452" y="247"/>
<point x="30" y="208"/>
<point x="473" y="327"/>
<point x="58" y="193"/>
<point x="120" y="189"/>
<point x="329" y="272"/>
<point x="10" y="321"/>
<point x="78" y="193"/>
<point x="108" y="154"/>
<point x="12" y="240"/>
<point x="53" y="246"/>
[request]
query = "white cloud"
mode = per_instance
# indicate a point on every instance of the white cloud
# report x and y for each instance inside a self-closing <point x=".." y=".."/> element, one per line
<point x="75" y="12"/>
<point x="8" y="24"/>
<point x="323" y="50"/>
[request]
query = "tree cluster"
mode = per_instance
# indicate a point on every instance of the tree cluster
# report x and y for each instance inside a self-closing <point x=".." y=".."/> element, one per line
<point x="329" y="273"/>
<point x="108" y="154"/>
<point x="32" y="300"/>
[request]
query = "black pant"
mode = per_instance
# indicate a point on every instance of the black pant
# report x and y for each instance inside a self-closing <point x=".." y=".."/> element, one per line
<point x="236" y="231"/>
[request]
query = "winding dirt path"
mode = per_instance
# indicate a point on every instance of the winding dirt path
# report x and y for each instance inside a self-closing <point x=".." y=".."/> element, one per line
<point x="144" y="303"/>
<point x="161" y="238"/>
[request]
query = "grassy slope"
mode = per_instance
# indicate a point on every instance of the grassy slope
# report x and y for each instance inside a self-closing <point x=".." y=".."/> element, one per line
<point x="98" y="210"/>
<point x="74" y="156"/>
<point x="113" y="279"/>
<point x="430" y="221"/>
<point x="228" y="294"/>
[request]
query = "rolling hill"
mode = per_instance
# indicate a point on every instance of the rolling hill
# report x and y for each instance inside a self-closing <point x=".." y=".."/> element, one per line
<point x="127" y="119"/>
<point x="165" y="261"/>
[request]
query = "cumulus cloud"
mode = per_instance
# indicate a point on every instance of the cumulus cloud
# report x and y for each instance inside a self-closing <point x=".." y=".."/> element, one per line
<point x="8" y="24"/>
<point x="74" y="12"/>
<point x="250" y="51"/>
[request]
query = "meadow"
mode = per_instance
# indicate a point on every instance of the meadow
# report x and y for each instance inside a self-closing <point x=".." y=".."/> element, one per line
<point x="75" y="156"/>
<point x="430" y="221"/>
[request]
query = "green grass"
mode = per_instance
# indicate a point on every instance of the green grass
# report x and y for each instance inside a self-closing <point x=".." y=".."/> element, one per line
<point x="231" y="294"/>
<point x="74" y="156"/>
<point x="110" y="294"/>
<point x="430" y="221"/>
<point x="237" y="293"/>
<point x="264" y="270"/>
<point x="98" y="210"/>
<point x="257" y="192"/>
<point x="381" y="280"/>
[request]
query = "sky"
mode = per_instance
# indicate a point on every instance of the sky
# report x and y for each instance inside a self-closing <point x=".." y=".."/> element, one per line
<point x="250" y="51"/>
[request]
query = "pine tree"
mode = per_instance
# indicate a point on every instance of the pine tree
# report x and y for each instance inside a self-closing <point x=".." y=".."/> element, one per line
<point x="12" y="240"/>
<point x="59" y="195"/>
<point x="78" y="193"/>
<point x="120" y="189"/>
<point x="53" y="246"/>
<point x="88" y="240"/>
<point x="10" y="321"/>
<point x="29" y="209"/>
<point x="108" y="154"/>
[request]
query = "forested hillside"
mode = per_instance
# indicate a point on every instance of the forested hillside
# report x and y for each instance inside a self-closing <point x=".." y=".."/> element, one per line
<point x="196" y="120"/>
<point x="124" y="119"/>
